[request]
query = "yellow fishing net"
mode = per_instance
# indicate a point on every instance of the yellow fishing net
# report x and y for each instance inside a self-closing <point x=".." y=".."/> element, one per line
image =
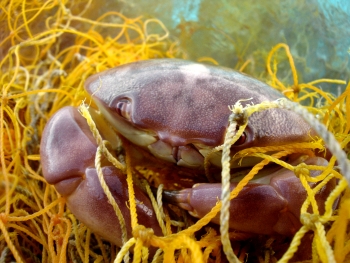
<point x="47" y="50"/>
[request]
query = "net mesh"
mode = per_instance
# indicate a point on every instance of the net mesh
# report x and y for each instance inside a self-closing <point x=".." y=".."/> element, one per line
<point x="47" y="50"/>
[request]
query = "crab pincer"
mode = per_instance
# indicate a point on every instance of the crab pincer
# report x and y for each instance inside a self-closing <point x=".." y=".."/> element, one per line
<point x="68" y="152"/>
<point x="267" y="206"/>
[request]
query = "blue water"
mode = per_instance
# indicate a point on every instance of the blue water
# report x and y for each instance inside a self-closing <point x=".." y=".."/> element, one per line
<point x="327" y="20"/>
<point x="186" y="10"/>
<point x="340" y="5"/>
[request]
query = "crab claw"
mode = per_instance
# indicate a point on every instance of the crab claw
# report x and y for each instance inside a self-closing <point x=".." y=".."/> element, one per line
<point x="269" y="206"/>
<point x="67" y="154"/>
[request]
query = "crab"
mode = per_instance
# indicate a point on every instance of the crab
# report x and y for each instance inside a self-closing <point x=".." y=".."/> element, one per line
<point x="175" y="112"/>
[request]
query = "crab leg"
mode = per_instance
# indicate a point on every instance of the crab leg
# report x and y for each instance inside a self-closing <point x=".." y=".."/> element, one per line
<point x="269" y="206"/>
<point x="68" y="151"/>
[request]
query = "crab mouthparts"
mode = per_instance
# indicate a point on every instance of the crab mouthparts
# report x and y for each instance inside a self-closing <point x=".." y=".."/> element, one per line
<point x="187" y="155"/>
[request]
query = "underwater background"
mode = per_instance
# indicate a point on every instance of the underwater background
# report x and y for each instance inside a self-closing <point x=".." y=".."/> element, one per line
<point x="232" y="31"/>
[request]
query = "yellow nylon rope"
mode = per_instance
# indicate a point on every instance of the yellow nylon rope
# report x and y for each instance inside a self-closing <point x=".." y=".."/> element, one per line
<point x="45" y="58"/>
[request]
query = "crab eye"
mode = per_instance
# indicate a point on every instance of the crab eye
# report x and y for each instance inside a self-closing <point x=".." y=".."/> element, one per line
<point x="241" y="139"/>
<point x="123" y="108"/>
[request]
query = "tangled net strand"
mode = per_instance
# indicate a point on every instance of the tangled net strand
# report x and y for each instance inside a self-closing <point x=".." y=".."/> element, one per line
<point x="47" y="50"/>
